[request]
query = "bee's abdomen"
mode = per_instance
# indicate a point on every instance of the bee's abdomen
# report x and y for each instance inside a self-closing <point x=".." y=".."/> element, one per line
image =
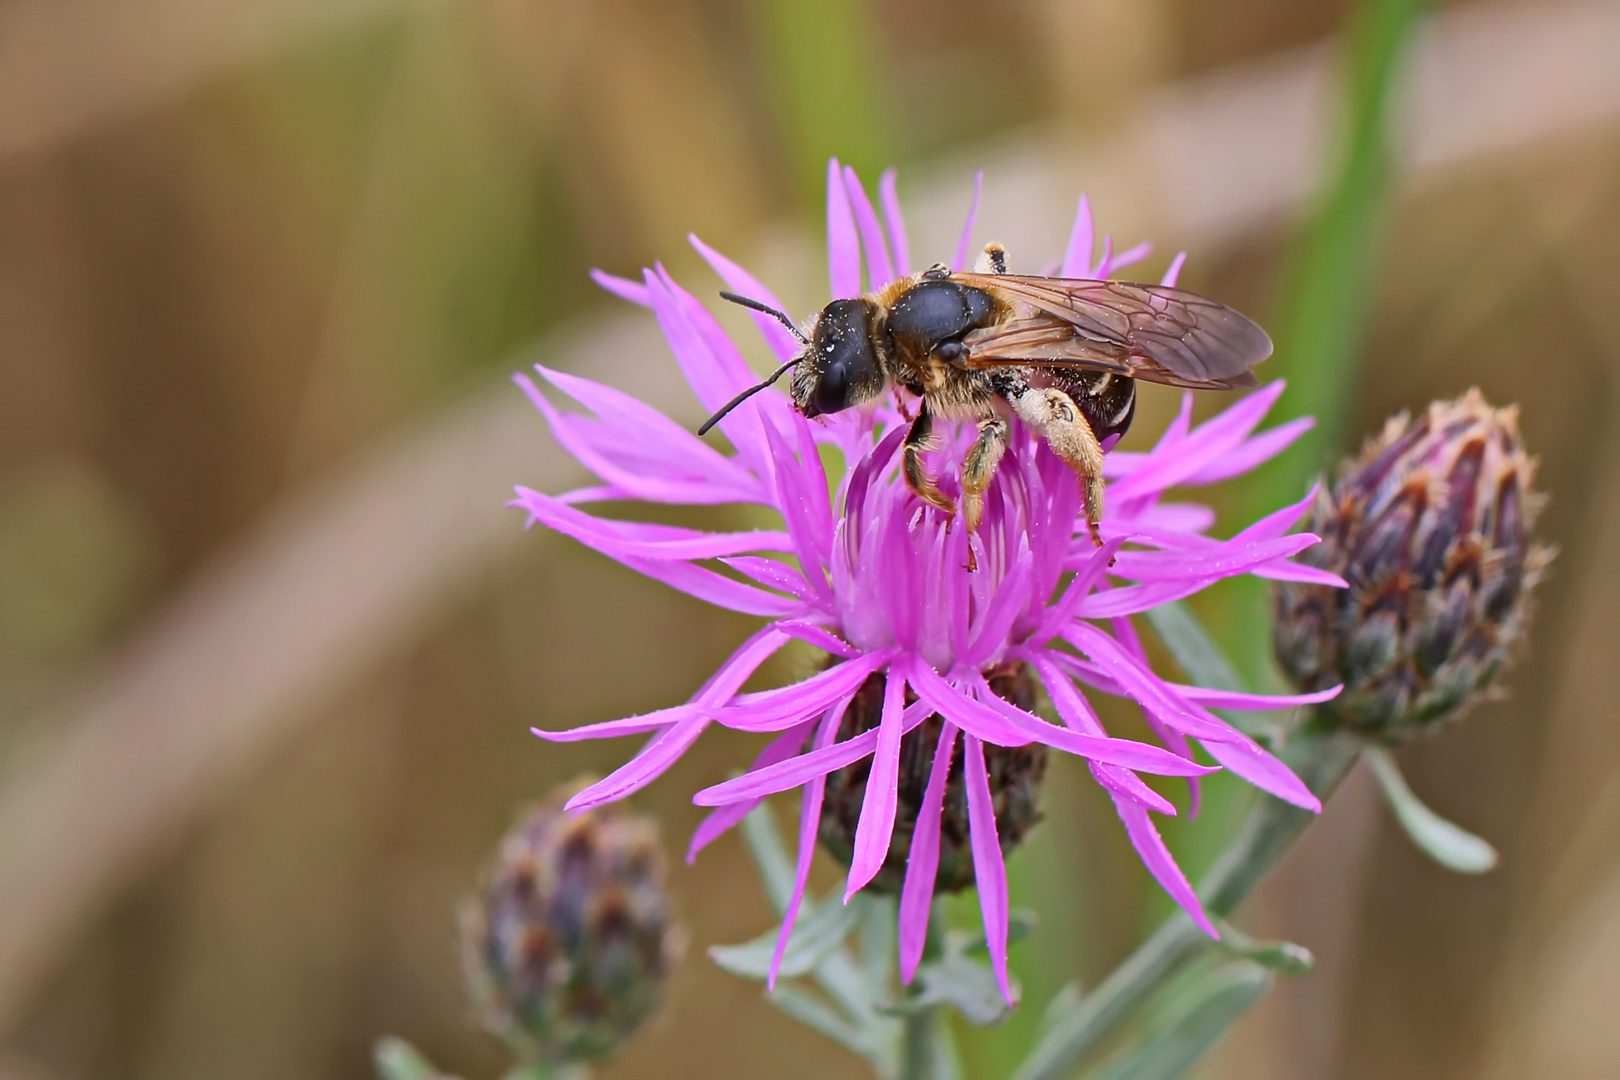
<point x="933" y="312"/>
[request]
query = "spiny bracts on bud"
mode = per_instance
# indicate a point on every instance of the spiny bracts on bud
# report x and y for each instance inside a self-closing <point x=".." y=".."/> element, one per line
<point x="1015" y="775"/>
<point x="567" y="944"/>
<point x="1430" y="526"/>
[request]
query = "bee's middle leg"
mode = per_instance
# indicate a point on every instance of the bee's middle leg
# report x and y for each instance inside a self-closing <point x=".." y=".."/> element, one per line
<point x="918" y="439"/>
<point x="1055" y="415"/>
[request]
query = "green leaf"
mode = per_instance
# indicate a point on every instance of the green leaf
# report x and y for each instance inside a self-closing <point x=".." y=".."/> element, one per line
<point x="1445" y="843"/>
<point x="1019" y="926"/>
<point x="1280" y="956"/>
<point x="1192" y="646"/>
<point x="765" y="845"/>
<point x="1060" y="1010"/>
<point x="819" y="932"/>
<point x="1199" y="1015"/>
<point x="954" y="980"/>
<point x="815" y="1013"/>
<point x="397" y="1059"/>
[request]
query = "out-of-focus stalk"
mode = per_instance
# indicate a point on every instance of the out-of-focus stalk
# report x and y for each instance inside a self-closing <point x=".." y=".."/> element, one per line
<point x="1318" y="327"/>
<point x="1321" y="313"/>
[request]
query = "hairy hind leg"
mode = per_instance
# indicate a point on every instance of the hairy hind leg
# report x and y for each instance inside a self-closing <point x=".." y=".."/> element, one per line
<point x="1055" y="415"/>
<point x="918" y="439"/>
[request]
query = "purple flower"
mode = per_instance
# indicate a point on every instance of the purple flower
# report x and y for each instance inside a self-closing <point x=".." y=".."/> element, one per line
<point x="866" y="571"/>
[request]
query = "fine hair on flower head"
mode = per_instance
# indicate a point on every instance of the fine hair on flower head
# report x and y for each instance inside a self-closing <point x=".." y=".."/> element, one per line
<point x="865" y="571"/>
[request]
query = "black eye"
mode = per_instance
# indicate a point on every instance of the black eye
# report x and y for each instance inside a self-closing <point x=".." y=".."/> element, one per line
<point x="833" y="388"/>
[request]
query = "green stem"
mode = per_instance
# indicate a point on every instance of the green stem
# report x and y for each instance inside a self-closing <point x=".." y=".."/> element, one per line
<point x="920" y="1043"/>
<point x="1321" y="758"/>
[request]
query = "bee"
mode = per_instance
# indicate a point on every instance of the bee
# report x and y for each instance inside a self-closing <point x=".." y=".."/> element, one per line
<point x="1060" y="354"/>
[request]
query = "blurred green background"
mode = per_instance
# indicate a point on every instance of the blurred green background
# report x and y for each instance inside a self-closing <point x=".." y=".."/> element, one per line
<point x="269" y="646"/>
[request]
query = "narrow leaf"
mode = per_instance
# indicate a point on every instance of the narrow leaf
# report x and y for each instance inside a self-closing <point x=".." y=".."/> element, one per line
<point x="817" y="1014"/>
<point x="397" y="1059"/>
<point x="818" y="933"/>
<point x="1207" y="1010"/>
<point x="765" y="845"/>
<point x="1445" y="843"/>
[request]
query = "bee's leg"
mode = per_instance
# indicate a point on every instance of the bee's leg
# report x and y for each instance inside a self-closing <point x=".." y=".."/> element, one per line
<point x="918" y="439"/>
<point x="1055" y="415"/>
<point x="977" y="468"/>
<point x="992" y="260"/>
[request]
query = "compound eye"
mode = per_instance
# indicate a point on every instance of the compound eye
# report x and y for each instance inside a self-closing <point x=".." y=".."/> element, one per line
<point x="832" y="390"/>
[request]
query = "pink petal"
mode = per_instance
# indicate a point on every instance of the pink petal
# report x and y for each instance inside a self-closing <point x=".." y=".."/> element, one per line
<point x="966" y="242"/>
<point x="618" y="539"/>
<point x="989" y="869"/>
<point x="843" y="248"/>
<point x="1157" y="858"/>
<point x="1085" y="577"/>
<point x="1220" y="560"/>
<point x="1007" y="604"/>
<point x="896" y="223"/>
<point x="1243" y="756"/>
<point x="624" y="288"/>
<point x="1310" y="575"/>
<point x="820" y="637"/>
<point x="773" y="574"/>
<point x="789" y="774"/>
<point x="1225" y="699"/>
<point x="612" y="729"/>
<point x="655" y="758"/>
<point x="1077" y="256"/>
<point x="1124" y="753"/>
<point x="809" y="821"/>
<point x="922" y="867"/>
<point x="712" y="588"/>
<point x="1129" y="257"/>
<point x="721" y="819"/>
<point x="1254" y="452"/>
<point x="785" y="706"/>
<point x="1142" y="684"/>
<point x="879" y="270"/>
<point x="573" y="434"/>
<point x="1211" y="441"/>
<point x="744" y="660"/>
<point x="878" y="807"/>
<point x="740" y="281"/>
<point x="1173" y="274"/>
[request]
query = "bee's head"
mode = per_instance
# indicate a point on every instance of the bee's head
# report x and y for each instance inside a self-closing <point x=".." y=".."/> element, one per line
<point x="839" y="368"/>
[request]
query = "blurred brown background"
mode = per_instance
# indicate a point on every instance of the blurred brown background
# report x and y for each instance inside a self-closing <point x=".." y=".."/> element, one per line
<point x="269" y="644"/>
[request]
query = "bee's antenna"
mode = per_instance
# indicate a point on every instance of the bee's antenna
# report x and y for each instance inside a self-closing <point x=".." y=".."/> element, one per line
<point x="746" y="394"/>
<point x="750" y="302"/>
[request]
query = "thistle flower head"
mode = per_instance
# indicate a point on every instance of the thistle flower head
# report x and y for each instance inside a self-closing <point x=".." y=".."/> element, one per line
<point x="864" y="570"/>
<point x="568" y="942"/>
<point x="1430" y="525"/>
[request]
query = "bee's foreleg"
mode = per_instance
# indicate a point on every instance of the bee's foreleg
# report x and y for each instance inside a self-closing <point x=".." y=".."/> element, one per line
<point x="918" y="439"/>
<point x="1055" y="415"/>
<point x="977" y="468"/>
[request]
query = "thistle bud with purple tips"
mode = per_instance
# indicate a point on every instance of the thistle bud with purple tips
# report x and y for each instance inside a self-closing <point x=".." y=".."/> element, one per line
<point x="1430" y="526"/>
<point x="568" y="943"/>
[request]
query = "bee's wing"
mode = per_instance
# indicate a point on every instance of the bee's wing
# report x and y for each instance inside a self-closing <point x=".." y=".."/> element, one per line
<point x="1149" y="332"/>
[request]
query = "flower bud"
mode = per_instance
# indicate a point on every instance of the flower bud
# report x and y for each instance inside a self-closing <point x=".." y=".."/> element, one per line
<point x="567" y="944"/>
<point x="1430" y="527"/>
<point x="1015" y="773"/>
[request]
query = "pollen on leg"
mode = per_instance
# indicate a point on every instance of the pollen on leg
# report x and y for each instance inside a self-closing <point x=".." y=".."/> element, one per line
<point x="1055" y="415"/>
